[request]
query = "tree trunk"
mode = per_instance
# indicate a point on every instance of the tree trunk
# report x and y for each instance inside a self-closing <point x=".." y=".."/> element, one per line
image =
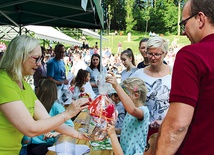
<point x="179" y="16"/>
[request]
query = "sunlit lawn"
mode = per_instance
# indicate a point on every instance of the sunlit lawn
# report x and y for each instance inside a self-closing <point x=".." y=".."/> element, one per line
<point x="113" y="40"/>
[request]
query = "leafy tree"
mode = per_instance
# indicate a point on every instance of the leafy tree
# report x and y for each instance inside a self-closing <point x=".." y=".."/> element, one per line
<point x="141" y="15"/>
<point x="160" y="16"/>
<point x="130" y="22"/>
<point x="118" y="11"/>
<point x="170" y="18"/>
<point x="109" y="19"/>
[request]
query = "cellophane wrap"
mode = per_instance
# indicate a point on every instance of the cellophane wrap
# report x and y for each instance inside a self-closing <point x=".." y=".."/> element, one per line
<point x="101" y="112"/>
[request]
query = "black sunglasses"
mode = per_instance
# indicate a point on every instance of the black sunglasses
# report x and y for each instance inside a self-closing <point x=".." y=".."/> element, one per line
<point x="183" y="22"/>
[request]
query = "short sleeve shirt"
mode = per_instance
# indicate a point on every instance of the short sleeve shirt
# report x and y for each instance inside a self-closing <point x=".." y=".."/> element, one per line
<point x="193" y="84"/>
<point x="134" y="133"/>
<point x="56" y="69"/>
<point x="157" y="95"/>
<point x="10" y="142"/>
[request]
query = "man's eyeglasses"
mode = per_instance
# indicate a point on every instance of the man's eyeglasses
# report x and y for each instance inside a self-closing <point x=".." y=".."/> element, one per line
<point x="37" y="59"/>
<point x="156" y="55"/>
<point x="183" y="22"/>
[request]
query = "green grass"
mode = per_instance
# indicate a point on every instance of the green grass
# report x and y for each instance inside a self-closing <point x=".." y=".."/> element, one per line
<point x="113" y="41"/>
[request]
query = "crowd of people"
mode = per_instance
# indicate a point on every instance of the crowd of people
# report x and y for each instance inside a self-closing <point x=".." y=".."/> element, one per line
<point x="162" y="106"/>
<point x="79" y="71"/>
<point x="146" y="88"/>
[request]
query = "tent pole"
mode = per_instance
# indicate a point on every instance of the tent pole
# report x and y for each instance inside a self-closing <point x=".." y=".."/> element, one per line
<point x="101" y="57"/>
<point x="20" y="30"/>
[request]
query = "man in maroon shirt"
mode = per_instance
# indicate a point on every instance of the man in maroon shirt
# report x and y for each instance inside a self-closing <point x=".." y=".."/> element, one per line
<point x="188" y="127"/>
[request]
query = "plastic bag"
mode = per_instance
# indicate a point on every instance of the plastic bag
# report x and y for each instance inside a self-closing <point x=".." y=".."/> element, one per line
<point x="65" y="96"/>
<point x="102" y="111"/>
<point x="104" y="88"/>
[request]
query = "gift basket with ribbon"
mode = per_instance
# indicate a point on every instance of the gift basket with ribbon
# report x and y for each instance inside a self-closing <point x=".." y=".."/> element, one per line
<point x="101" y="112"/>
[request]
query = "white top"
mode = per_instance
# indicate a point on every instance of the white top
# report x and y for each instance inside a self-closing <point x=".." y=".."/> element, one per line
<point x="89" y="90"/>
<point x="158" y="94"/>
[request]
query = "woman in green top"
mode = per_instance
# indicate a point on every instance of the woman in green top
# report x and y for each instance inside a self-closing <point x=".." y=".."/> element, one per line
<point x="21" y="113"/>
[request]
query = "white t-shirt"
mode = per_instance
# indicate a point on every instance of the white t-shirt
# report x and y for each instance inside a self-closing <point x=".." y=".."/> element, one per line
<point x="158" y="94"/>
<point x="89" y="90"/>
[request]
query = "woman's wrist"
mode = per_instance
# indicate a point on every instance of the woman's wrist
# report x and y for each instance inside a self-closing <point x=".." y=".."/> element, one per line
<point x="65" y="116"/>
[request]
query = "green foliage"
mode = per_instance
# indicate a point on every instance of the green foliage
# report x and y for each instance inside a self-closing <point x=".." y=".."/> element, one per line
<point x="156" y="24"/>
<point x="133" y="15"/>
<point x="130" y="22"/>
<point x="170" y="18"/>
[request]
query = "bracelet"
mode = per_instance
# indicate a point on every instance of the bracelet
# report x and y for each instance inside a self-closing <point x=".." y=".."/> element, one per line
<point x="63" y="117"/>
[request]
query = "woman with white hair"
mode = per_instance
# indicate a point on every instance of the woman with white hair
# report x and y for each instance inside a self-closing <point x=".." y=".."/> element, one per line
<point x="157" y="77"/>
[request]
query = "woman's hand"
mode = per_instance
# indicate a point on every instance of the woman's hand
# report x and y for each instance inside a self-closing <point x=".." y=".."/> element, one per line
<point x="82" y="136"/>
<point x="112" y="79"/>
<point x="75" y="107"/>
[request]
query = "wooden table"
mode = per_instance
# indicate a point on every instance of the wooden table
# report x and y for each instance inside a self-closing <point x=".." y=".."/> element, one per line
<point x="77" y="124"/>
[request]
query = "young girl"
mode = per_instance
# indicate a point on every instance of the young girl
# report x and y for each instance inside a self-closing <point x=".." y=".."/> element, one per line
<point x="128" y="60"/>
<point x="135" y="125"/>
<point x="116" y="145"/>
<point x="38" y="145"/>
<point x="83" y="76"/>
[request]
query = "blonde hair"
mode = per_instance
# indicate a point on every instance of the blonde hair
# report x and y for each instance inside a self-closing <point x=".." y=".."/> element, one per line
<point x="16" y="53"/>
<point x="136" y="85"/>
<point x="157" y="42"/>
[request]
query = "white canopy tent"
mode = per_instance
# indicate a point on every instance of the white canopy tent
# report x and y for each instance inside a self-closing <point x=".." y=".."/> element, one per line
<point x="91" y="33"/>
<point x="49" y="33"/>
<point x="41" y="32"/>
<point x="8" y="32"/>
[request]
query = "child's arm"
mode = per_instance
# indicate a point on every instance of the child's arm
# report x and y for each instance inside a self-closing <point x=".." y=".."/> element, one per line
<point x="50" y="135"/>
<point x="125" y="99"/>
<point x="114" y="140"/>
